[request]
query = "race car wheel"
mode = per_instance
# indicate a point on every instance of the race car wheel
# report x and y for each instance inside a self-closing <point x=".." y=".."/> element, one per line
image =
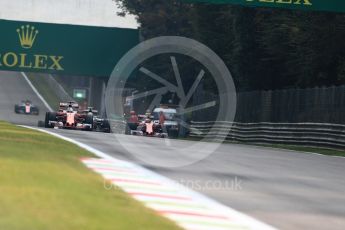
<point x="106" y="126"/>
<point x="16" y="109"/>
<point x="41" y="124"/>
<point x="89" y="121"/>
<point x="49" y="117"/>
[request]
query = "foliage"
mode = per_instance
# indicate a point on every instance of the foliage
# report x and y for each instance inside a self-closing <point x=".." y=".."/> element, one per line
<point x="263" y="48"/>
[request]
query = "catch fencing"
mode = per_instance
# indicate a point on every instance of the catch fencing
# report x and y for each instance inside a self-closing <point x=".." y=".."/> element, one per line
<point x="312" y="105"/>
<point x="310" y="117"/>
<point x="316" y="105"/>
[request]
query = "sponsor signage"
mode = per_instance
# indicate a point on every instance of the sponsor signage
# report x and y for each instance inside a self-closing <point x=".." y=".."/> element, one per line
<point x="79" y="93"/>
<point x="63" y="49"/>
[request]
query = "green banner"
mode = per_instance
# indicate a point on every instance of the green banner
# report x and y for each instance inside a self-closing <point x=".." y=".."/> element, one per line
<point x="63" y="49"/>
<point x="317" y="5"/>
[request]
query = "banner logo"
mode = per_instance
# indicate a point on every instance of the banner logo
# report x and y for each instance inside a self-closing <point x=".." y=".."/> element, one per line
<point x="27" y="35"/>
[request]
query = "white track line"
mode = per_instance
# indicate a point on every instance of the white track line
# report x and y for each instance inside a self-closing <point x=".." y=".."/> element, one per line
<point x="36" y="92"/>
<point x="187" y="208"/>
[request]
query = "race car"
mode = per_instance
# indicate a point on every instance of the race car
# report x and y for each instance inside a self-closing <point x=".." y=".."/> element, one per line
<point x="99" y="124"/>
<point x="171" y="125"/>
<point x="26" y="107"/>
<point x="68" y="117"/>
<point x="150" y="129"/>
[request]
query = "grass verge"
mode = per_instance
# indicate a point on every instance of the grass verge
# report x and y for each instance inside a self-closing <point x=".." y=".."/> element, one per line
<point x="40" y="83"/>
<point x="306" y="149"/>
<point x="43" y="185"/>
<point x="303" y="149"/>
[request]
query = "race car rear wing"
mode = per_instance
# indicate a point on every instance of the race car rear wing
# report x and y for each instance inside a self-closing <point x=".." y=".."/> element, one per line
<point x="93" y="111"/>
<point x="73" y="104"/>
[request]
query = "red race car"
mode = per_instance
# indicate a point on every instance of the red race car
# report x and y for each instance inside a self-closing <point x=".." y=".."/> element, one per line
<point x="148" y="128"/>
<point x="69" y="117"/>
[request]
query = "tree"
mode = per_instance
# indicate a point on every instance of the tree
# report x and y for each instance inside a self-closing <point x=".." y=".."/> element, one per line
<point x="264" y="48"/>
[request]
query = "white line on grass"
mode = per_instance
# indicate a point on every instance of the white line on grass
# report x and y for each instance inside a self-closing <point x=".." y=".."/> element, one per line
<point x="36" y="92"/>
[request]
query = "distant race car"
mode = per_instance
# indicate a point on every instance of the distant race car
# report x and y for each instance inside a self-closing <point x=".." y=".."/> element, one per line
<point x="99" y="124"/>
<point x="148" y="128"/>
<point x="26" y="107"/>
<point x="171" y="124"/>
<point x="68" y="117"/>
<point x="162" y="122"/>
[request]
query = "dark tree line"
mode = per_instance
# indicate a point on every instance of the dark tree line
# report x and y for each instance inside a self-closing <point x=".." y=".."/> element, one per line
<point x="263" y="48"/>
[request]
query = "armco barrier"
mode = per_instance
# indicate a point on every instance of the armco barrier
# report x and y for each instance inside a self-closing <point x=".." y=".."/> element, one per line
<point x="306" y="134"/>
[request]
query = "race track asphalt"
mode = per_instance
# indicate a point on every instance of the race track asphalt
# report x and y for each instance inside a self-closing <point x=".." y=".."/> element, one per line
<point x="286" y="189"/>
<point x="14" y="89"/>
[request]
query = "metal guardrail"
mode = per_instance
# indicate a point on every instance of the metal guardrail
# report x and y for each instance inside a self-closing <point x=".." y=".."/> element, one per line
<point x="306" y="134"/>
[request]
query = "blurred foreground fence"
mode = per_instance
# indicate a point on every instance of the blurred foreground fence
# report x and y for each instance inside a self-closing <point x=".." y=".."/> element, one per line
<point x="306" y="134"/>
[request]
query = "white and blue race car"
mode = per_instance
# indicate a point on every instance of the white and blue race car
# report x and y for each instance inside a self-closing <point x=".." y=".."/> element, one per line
<point x="26" y="107"/>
